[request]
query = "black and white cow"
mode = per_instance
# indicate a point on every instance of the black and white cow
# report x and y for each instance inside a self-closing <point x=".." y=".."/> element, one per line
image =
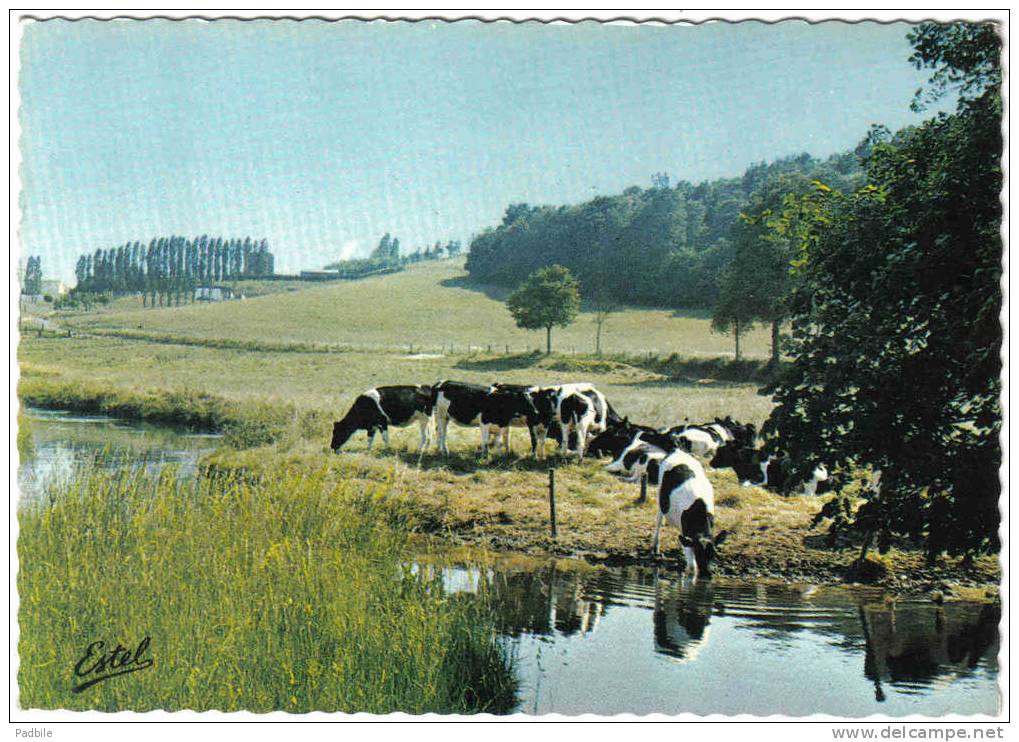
<point x="643" y="442"/>
<point x="576" y="412"/>
<point x="535" y="420"/>
<point x="616" y="438"/>
<point x="383" y="407"/>
<point x="705" y="440"/>
<point x="771" y="472"/>
<point x="744" y="460"/>
<point x="701" y="441"/>
<point x="686" y="500"/>
<point x="642" y="459"/>
<point x="490" y="408"/>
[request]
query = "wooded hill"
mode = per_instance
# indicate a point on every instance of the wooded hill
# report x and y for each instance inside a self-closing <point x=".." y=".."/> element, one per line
<point x="661" y="246"/>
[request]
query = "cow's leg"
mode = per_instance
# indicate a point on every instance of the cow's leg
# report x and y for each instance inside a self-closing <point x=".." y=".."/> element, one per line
<point x="423" y="426"/>
<point x="539" y="443"/>
<point x="385" y="435"/>
<point x="442" y="424"/>
<point x="564" y="447"/>
<point x="505" y="440"/>
<point x="484" y="440"/>
<point x="658" y="532"/>
<point x="534" y="441"/>
<point x="581" y="440"/>
<point x="691" y="562"/>
<point x="371" y="437"/>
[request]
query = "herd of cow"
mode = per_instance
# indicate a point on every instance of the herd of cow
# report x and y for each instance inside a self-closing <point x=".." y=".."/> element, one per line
<point x="582" y="421"/>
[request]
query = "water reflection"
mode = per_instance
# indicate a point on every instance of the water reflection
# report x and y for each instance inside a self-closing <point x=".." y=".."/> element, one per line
<point x="910" y="648"/>
<point x="618" y="640"/>
<point x="681" y="618"/>
<point x="64" y="442"/>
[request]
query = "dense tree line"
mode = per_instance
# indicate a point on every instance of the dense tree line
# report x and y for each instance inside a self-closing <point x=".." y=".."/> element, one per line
<point x="661" y="246"/>
<point x="895" y="300"/>
<point x="169" y="269"/>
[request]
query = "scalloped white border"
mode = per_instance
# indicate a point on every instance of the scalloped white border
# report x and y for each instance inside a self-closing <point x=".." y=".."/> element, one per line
<point x="123" y="725"/>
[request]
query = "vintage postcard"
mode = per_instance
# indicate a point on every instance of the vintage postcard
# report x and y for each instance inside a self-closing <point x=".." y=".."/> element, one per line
<point x="508" y="368"/>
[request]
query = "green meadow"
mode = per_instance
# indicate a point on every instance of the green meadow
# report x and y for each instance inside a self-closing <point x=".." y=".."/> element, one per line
<point x="428" y="306"/>
<point x="285" y="564"/>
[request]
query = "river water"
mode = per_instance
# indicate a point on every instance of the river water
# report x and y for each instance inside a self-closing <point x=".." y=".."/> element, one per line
<point x="611" y="641"/>
<point x="64" y="441"/>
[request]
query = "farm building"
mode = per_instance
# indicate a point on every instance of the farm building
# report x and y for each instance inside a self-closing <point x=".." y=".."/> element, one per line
<point x="320" y="275"/>
<point x="213" y="293"/>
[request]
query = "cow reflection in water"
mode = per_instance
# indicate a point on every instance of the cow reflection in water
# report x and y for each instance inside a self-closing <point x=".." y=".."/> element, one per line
<point x="908" y="648"/>
<point x="682" y="615"/>
<point x="546" y="600"/>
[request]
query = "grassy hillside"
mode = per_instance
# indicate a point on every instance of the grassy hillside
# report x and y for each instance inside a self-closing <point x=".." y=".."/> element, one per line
<point x="430" y="305"/>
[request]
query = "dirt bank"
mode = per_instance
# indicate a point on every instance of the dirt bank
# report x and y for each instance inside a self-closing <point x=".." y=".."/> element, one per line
<point x="503" y="505"/>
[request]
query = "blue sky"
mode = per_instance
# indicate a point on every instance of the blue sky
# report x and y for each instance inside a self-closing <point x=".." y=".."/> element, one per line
<point x="323" y="136"/>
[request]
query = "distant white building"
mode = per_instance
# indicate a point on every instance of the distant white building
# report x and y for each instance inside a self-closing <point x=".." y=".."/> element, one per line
<point x="213" y="293"/>
<point x="54" y="287"/>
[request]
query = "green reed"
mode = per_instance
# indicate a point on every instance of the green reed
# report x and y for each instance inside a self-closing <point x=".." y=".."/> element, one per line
<point x="277" y="592"/>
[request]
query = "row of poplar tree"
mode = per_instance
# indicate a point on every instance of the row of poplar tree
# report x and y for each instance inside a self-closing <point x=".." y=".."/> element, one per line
<point x="169" y="269"/>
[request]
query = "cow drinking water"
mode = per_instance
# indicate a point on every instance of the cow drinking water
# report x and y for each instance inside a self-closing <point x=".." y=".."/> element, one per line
<point x="687" y="501"/>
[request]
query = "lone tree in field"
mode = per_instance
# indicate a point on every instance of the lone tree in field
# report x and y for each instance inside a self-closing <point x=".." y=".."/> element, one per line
<point x="549" y="298"/>
<point x="735" y="309"/>
<point x="895" y="332"/>
<point x="601" y="306"/>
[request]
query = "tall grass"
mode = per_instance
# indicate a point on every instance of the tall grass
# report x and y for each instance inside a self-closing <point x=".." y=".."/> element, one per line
<point x="277" y="592"/>
<point x="244" y="423"/>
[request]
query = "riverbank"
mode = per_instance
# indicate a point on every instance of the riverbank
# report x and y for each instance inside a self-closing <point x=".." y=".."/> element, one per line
<point x="276" y="411"/>
<point x="502" y="505"/>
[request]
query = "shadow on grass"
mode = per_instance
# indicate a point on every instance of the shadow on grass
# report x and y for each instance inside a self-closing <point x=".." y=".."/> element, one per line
<point x="470" y="461"/>
<point x="500" y="363"/>
<point x="496" y="293"/>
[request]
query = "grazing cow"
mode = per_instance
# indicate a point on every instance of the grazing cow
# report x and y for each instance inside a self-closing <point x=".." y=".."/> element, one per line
<point x="744" y="460"/>
<point x="614" y="441"/>
<point x="820" y="482"/>
<point x="644" y="459"/>
<point x="490" y="408"/>
<point x="687" y="501"/>
<point x="643" y="442"/>
<point x="379" y="408"/>
<point x="705" y="440"/>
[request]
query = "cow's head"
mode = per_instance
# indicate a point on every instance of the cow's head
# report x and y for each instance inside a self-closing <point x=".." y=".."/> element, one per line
<point x="544" y="402"/>
<point x="705" y="550"/>
<point x="613" y="441"/>
<point x="342" y="431"/>
<point x="742" y="459"/>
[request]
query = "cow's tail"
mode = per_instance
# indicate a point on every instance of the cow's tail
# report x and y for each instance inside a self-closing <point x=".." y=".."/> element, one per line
<point x="433" y="395"/>
<point x="428" y="397"/>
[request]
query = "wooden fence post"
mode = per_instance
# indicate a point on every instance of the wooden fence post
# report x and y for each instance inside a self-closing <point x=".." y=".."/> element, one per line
<point x="551" y="500"/>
